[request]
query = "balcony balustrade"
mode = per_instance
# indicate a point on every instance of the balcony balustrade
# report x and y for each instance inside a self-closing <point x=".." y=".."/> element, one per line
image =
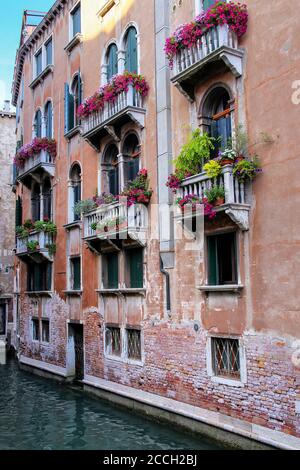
<point x="127" y="107"/>
<point x="35" y="166"/>
<point x="43" y="241"/>
<point x="235" y="205"/>
<point x="218" y="46"/>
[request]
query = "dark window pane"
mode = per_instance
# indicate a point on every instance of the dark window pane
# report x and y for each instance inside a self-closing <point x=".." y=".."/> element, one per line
<point x="113" y="178"/>
<point x="2" y="319"/>
<point x="76" y="20"/>
<point x="131" y="60"/>
<point x="49" y="49"/>
<point x="45" y="331"/>
<point x="222" y="259"/>
<point x="38" y="63"/>
<point x="38" y="124"/>
<point x="35" y="330"/>
<point x="76" y="273"/>
<point x="48" y="115"/>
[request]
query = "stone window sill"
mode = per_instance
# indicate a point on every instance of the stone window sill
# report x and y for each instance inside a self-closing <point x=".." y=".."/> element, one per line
<point x="227" y="381"/>
<point x="77" y="39"/>
<point x="41" y="76"/>
<point x="225" y="288"/>
<point x="39" y="293"/>
<point x="123" y="291"/>
<point x="71" y="133"/>
<point x="73" y="292"/>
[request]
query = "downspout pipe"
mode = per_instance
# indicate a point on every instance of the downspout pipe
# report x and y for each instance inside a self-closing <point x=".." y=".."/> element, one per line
<point x="168" y="288"/>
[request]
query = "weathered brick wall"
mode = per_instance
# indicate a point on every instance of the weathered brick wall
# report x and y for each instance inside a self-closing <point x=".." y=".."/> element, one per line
<point x="175" y="367"/>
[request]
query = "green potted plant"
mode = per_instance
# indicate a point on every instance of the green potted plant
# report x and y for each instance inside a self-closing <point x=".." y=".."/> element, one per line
<point x="216" y="195"/>
<point x="247" y="170"/>
<point x="32" y="246"/>
<point x="194" y="154"/>
<point x="212" y="169"/>
<point x="228" y="156"/>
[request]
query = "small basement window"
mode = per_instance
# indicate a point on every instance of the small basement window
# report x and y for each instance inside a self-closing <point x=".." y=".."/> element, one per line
<point x="226" y="358"/>
<point x="134" y="346"/>
<point x="222" y="259"/>
<point x="45" y="331"/>
<point x="35" y="329"/>
<point x="113" y="341"/>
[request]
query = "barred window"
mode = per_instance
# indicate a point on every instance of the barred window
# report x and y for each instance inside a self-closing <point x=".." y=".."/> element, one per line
<point x="35" y="329"/>
<point x="45" y="331"/>
<point x="226" y="358"/>
<point x="113" y="341"/>
<point x="134" y="347"/>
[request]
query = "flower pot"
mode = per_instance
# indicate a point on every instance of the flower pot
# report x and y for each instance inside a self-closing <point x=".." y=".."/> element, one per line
<point x="219" y="201"/>
<point x="226" y="161"/>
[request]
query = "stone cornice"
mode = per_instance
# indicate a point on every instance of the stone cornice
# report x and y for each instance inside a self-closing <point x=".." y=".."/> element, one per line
<point x="29" y="43"/>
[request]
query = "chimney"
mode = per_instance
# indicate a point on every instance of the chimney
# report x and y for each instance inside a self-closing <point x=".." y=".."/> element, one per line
<point x="6" y="105"/>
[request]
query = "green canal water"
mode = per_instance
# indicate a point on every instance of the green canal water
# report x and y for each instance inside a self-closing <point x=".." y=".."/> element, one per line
<point x="40" y="414"/>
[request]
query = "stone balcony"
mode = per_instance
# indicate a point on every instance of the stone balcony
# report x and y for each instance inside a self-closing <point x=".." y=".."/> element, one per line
<point x="35" y="166"/>
<point x="133" y="224"/>
<point x="216" y="50"/>
<point x="109" y="120"/>
<point x="235" y="206"/>
<point x="41" y="253"/>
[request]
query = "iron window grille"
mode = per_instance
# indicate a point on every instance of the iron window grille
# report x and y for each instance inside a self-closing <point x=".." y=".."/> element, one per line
<point x="226" y="358"/>
<point x="113" y="341"/>
<point x="134" y="347"/>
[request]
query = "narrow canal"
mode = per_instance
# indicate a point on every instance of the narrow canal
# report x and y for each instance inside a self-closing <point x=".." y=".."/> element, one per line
<point x="38" y="414"/>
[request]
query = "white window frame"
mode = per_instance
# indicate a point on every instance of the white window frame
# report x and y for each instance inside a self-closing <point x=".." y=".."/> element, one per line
<point x="242" y="381"/>
<point x="50" y="38"/>
<point x="38" y="52"/>
<point x="42" y="49"/>
<point x="106" y="352"/>
<point x="124" y="352"/>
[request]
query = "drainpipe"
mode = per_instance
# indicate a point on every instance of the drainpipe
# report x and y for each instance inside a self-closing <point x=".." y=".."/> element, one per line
<point x="168" y="289"/>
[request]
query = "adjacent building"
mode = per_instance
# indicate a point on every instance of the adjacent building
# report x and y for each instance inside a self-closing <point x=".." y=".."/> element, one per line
<point x="137" y="298"/>
<point x="7" y="222"/>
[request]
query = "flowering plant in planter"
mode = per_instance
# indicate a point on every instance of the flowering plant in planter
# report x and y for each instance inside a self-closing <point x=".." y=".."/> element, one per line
<point x="105" y="199"/>
<point x="109" y="92"/>
<point x="36" y="146"/>
<point x="215" y="195"/>
<point x="191" y="201"/>
<point x="212" y="169"/>
<point x="138" y="191"/>
<point x="32" y="245"/>
<point x="186" y="36"/>
<point x="247" y="170"/>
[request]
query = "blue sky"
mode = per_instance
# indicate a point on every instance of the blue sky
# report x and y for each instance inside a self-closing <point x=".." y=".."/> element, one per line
<point x="10" y="36"/>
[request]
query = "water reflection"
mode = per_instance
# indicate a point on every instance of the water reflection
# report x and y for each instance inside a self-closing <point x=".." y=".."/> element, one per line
<point x="41" y="414"/>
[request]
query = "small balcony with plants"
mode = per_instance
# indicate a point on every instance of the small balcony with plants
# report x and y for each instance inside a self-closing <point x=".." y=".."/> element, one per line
<point x="109" y="219"/>
<point x="34" y="159"/>
<point x="220" y="184"/>
<point x="113" y="105"/>
<point x="207" y="45"/>
<point x="36" y="241"/>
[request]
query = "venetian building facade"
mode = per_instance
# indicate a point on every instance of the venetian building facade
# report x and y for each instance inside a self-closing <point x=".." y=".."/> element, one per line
<point x="133" y="300"/>
<point x="7" y="235"/>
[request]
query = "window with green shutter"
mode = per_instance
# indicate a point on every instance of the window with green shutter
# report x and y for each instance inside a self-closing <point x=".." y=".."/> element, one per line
<point x="75" y="273"/>
<point x="48" y="116"/>
<point x="19" y="210"/>
<point x="112" y="61"/>
<point x="222" y="259"/>
<point x="136" y="268"/>
<point x="111" y="274"/>
<point x="131" y="59"/>
<point x="38" y="123"/>
<point x="39" y="277"/>
<point x="69" y="109"/>
<point x="38" y="63"/>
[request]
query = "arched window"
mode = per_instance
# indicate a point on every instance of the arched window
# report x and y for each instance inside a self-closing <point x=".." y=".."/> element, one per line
<point x="131" y="152"/>
<point x="38" y="123"/>
<point x="48" y="120"/>
<point x="47" y="199"/>
<point x="111" y="163"/>
<point x="217" y="117"/>
<point x="112" y="61"/>
<point x="131" y="59"/>
<point x="73" y="98"/>
<point x="36" y="202"/>
<point x="75" y="196"/>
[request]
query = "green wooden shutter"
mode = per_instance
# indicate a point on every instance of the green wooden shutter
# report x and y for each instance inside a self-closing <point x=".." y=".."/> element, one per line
<point x="112" y="65"/>
<point x="76" y="264"/>
<point x="133" y="167"/>
<point x="208" y="3"/>
<point x="113" y="271"/>
<point x="212" y="261"/>
<point x="38" y="124"/>
<point x="49" y="58"/>
<point x="49" y="132"/>
<point x="136" y="269"/>
<point x="131" y="62"/>
<point x="48" y="278"/>
<point x="113" y="178"/>
<point x="79" y="91"/>
<point x="76" y="19"/>
<point x="67" y="94"/>
<point x="19" y="216"/>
